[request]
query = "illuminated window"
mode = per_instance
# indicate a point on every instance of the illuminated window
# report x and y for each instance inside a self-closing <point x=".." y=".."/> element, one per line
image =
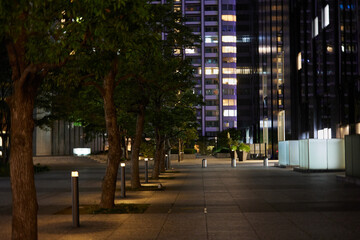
<point x="229" y="59"/>
<point x="244" y="39"/>
<point x="211" y="70"/>
<point x="190" y="50"/>
<point x="329" y="49"/>
<point x="229" y="81"/>
<point x="230" y="113"/>
<point x="229" y="102"/>
<point x="211" y="39"/>
<point x="315" y="27"/>
<point x="325" y="19"/>
<point x="229" y="70"/>
<point x="193" y="50"/>
<point x="243" y="70"/>
<point x="229" y="49"/>
<point x="299" y="65"/>
<point x="231" y="39"/>
<point x="229" y="18"/>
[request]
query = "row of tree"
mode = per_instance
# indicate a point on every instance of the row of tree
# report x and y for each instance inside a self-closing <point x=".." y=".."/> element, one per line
<point x="109" y="64"/>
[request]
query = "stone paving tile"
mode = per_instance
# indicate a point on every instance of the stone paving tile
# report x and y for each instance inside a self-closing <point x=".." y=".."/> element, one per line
<point x="218" y="202"/>
<point x="318" y="226"/>
<point x="275" y="226"/>
<point x="231" y="235"/>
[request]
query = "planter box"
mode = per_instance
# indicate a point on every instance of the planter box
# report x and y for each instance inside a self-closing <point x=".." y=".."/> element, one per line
<point x="352" y="156"/>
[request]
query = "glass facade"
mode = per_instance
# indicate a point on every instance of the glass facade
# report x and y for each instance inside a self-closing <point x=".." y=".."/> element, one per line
<point x="326" y="83"/>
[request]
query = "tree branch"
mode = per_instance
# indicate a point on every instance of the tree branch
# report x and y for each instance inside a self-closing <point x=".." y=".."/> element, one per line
<point x="123" y="78"/>
<point x="96" y="85"/>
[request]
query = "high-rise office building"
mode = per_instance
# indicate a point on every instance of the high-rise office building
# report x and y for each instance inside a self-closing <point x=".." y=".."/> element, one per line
<point x="214" y="60"/>
<point x="274" y="59"/>
<point x="247" y="70"/>
<point x="325" y="75"/>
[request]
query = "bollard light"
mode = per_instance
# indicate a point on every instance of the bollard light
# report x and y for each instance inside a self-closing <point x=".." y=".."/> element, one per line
<point x="166" y="162"/>
<point x="75" y="198"/>
<point x="146" y="170"/>
<point x="122" y="180"/>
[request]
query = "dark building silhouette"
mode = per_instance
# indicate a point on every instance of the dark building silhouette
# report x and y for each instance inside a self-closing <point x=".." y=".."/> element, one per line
<point x="325" y="88"/>
<point x="247" y="70"/>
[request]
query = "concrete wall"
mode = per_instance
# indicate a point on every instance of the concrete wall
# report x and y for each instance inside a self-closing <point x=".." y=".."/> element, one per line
<point x="352" y="156"/>
<point x="61" y="139"/>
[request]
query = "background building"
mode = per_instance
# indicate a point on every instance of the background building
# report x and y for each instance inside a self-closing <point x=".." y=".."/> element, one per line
<point x="247" y="70"/>
<point x="274" y="56"/>
<point x="325" y="70"/>
<point x="215" y="61"/>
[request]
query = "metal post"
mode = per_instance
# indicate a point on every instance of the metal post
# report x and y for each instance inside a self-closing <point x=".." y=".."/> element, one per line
<point x="233" y="160"/>
<point x="123" y="180"/>
<point x="266" y="157"/>
<point x="204" y="163"/>
<point x="166" y="162"/>
<point x="75" y="198"/>
<point x="146" y="170"/>
<point x="266" y="162"/>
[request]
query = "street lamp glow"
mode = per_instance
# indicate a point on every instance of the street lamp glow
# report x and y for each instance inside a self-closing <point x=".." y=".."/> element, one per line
<point x="74" y="174"/>
<point x="146" y="159"/>
<point x="122" y="164"/>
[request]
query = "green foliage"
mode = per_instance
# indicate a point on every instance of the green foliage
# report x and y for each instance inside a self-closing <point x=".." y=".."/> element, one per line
<point x="244" y="147"/>
<point x="223" y="139"/>
<point x="147" y="149"/>
<point x="189" y="151"/>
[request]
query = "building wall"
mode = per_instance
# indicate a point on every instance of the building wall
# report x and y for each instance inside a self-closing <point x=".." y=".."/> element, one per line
<point x="214" y="60"/>
<point x="326" y="84"/>
<point x="273" y="54"/>
<point x="61" y="139"/>
<point x="247" y="69"/>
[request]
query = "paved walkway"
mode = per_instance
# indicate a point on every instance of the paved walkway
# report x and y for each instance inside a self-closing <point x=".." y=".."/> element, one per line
<point x="217" y="202"/>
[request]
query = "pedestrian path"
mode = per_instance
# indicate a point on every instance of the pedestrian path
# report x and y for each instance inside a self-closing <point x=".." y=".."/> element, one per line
<point x="218" y="202"/>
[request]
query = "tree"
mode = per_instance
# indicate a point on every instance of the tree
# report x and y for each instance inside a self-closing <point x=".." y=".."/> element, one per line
<point x="35" y="43"/>
<point x="112" y="32"/>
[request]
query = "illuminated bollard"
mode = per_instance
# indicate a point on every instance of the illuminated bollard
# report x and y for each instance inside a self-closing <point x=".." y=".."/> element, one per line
<point x="266" y="162"/>
<point x="204" y="163"/>
<point x="75" y="198"/>
<point x="233" y="162"/>
<point x="166" y="162"/>
<point x="146" y="170"/>
<point x="123" y="180"/>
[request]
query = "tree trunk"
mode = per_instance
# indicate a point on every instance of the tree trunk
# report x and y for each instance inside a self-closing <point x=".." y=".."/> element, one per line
<point x="158" y="142"/>
<point x="114" y="155"/>
<point x="126" y="148"/>
<point x="24" y="201"/>
<point x="135" y="178"/>
<point x="162" y="156"/>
